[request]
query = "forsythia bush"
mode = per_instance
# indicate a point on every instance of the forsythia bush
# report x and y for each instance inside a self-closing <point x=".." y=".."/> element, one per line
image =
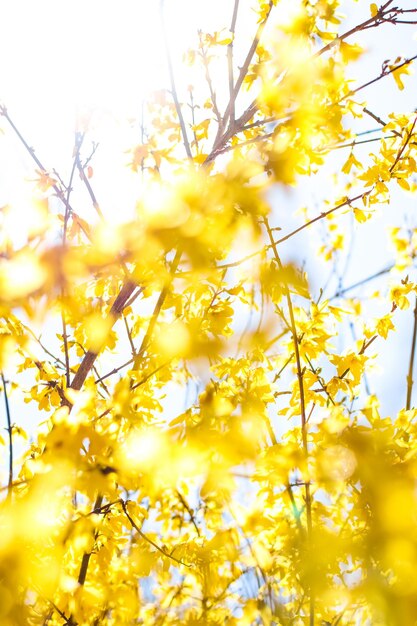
<point x="204" y="447"/>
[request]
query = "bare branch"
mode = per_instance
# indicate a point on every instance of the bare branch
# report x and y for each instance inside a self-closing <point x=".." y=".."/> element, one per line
<point x="385" y="72"/>
<point x="173" y="86"/>
<point x="302" y="397"/>
<point x="10" y="437"/>
<point x="244" y="68"/>
<point x="372" y="22"/>
<point x="411" y="362"/>
<point x="230" y="63"/>
<point x="146" y="538"/>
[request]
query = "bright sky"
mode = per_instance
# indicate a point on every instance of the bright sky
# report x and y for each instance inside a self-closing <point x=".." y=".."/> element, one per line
<point x="63" y="58"/>
<point x="93" y="53"/>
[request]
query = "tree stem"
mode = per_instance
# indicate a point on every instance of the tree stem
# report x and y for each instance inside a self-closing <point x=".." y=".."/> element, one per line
<point x="411" y="363"/>
<point x="10" y="437"/>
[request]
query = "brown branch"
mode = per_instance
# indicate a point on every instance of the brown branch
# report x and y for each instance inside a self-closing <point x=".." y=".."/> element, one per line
<point x="221" y="140"/>
<point x="405" y="144"/>
<point x="134" y="297"/>
<point x="114" y="371"/>
<point x="245" y="67"/>
<point x="385" y="72"/>
<point x="267" y="120"/>
<point x="375" y="117"/>
<point x="87" y="555"/>
<point x="322" y="215"/>
<point x="151" y="326"/>
<point x="89" y="188"/>
<point x="114" y="314"/>
<point x="189" y="511"/>
<point x="44" y="348"/>
<point x="346" y="202"/>
<point x="323" y="386"/>
<point x="366" y="344"/>
<point x="372" y="22"/>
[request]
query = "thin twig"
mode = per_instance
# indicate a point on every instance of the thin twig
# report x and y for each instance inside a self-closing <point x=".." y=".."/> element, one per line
<point x="405" y="144"/>
<point x="173" y="86"/>
<point x="210" y="82"/>
<point x="369" y="23"/>
<point x="10" y="438"/>
<point x="381" y="75"/>
<point x="230" y="63"/>
<point x="245" y="66"/>
<point x="114" y="371"/>
<point x="301" y="391"/>
<point x="78" y="142"/>
<point x="162" y="296"/>
<point x="189" y="511"/>
<point x="375" y="117"/>
<point x="145" y="379"/>
<point x="354" y="143"/>
<point x="411" y="362"/>
<point x="341" y="292"/>
<point x="129" y="335"/>
<point x="81" y="171"/>
<point x="346" y="202"/>
<point x="146" y="538"/>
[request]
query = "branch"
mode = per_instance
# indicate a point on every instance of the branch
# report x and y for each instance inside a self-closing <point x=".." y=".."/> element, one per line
<point x="173" y="87"/>
<point x="375" y="117"/>
<point x="354" y="143"/>
<point x="245" y="67"/>
<point x="10" y="437"/>
<point x="189" y="511"/>
<point x="385" y="72"/>
<point x="210" y="84"/>
<point x="405" y="144"/>
<point x="90" y="357"/>
<point x="301" y="390"/>
<point x="78" y="142"/>
<point x="129" y="336"/>
<point x="369" y="23"/>
<point x="59" y="192"/>
<point x="88" y="187"/>
<point x="341" y="292"/>
<point x="146" y="538"/>
<point x="114" y="371"/>
<point x="87" y="555"/>
<point x="230" y="63"/>
<point x="221" y="140"/>
<point x="411" y="362"/>
<point x="157" y="309"/>
<point x="346" y="202"/>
